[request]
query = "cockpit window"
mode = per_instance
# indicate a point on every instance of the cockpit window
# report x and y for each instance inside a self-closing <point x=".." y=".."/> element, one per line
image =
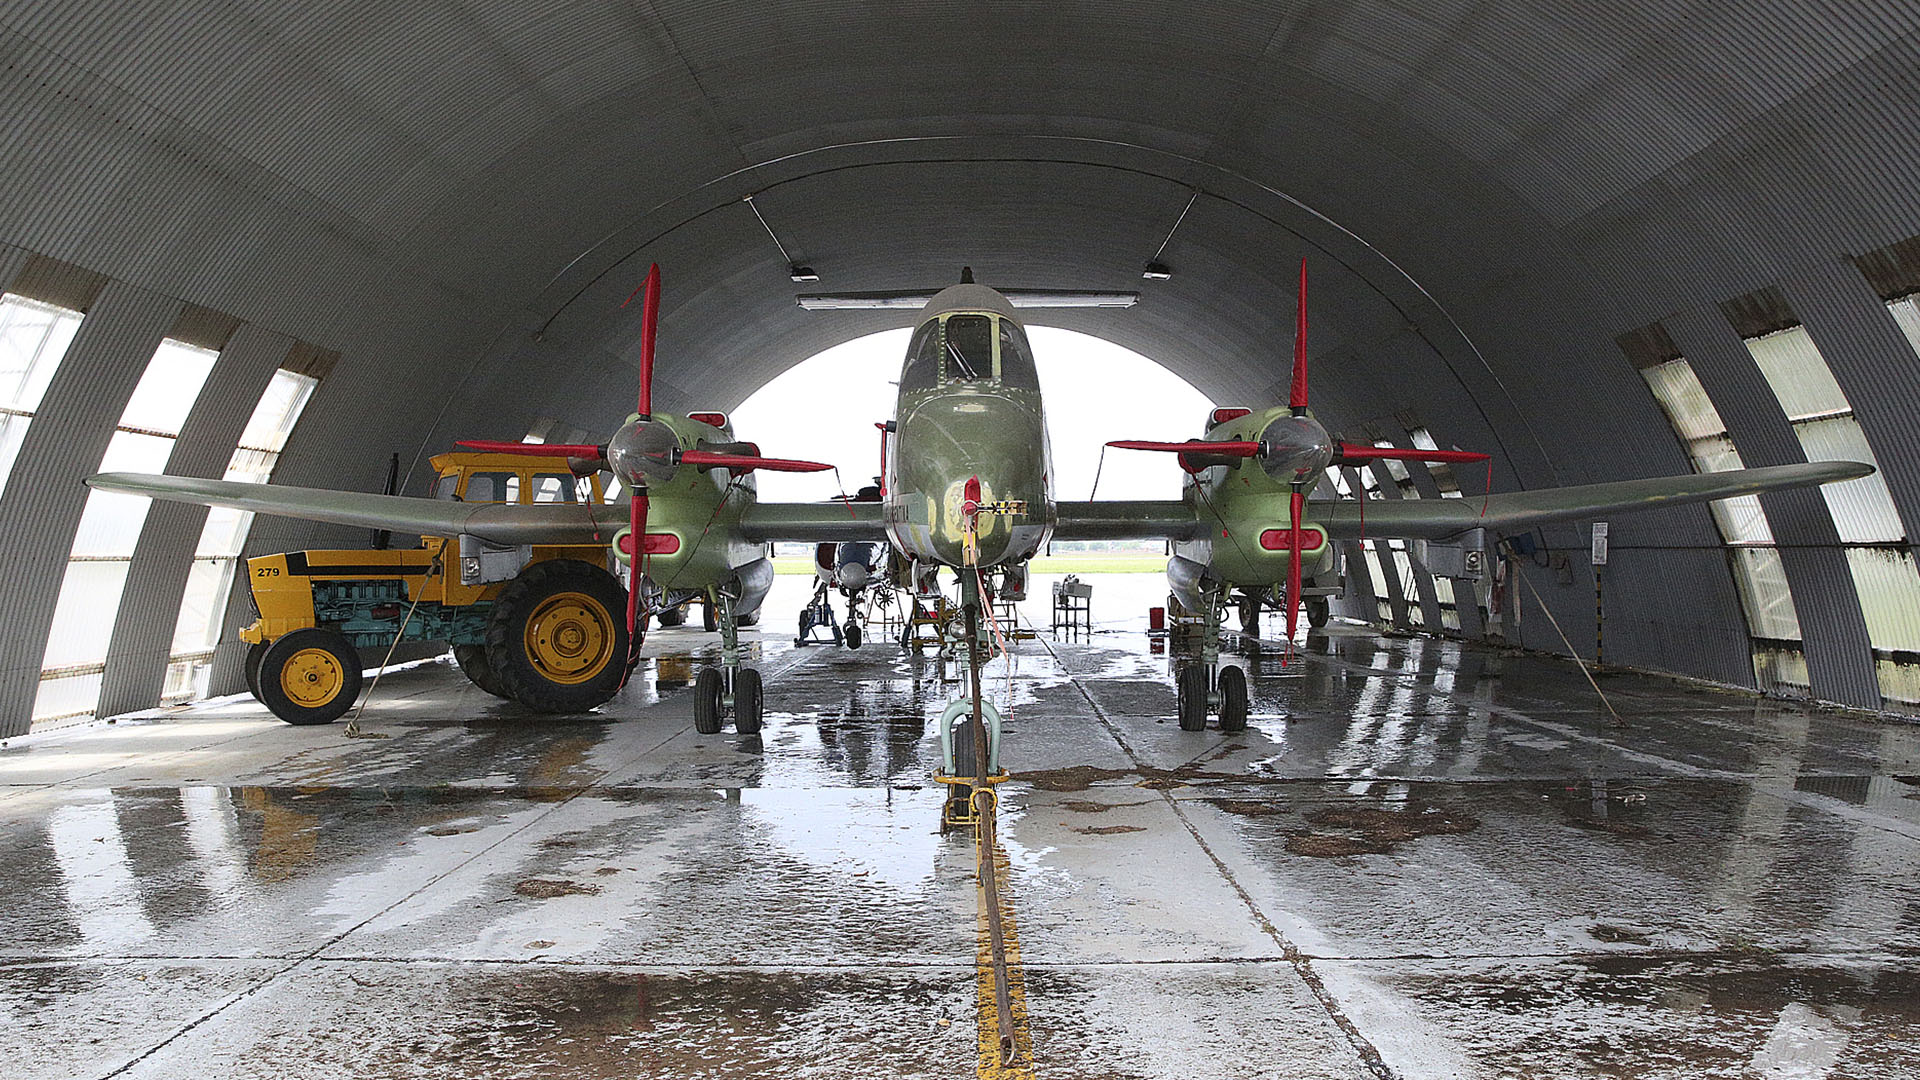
<point x="922" y="369"/>
<point x="969" y="347"/>
<point x="1016" y="359"/>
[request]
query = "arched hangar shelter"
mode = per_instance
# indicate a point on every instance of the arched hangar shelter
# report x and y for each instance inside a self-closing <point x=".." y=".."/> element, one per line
<point x="1598" y="240"/>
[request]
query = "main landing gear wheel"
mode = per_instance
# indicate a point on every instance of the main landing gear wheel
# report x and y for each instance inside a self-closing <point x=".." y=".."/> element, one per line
<point x="310" y="676"/>
<point x="255" y="653"/>
<point x="748" y="702"/>
<point x="673" y="616"/>
<point x="853" y="635"/>
<point x="558" y="636"/>
<point x="1233" y="699"/>
<point x="1318" y="612"/>
<point x="1250" y="616"/>
<point x="709" y="690"/>
<point x="1190" y="687"/>
<point x="709" y="618"/>
<point x="473" y="664"/>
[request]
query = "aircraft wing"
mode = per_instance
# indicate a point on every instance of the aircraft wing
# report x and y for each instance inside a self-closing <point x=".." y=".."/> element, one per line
<point x="499" y="523"/>
<point x="1437" y="519"/>
<point x="1124" y="520"/>
<point x="829" y="522"/>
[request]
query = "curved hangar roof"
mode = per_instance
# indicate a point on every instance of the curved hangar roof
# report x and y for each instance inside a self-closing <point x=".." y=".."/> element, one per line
<point x="1506" y="205"/>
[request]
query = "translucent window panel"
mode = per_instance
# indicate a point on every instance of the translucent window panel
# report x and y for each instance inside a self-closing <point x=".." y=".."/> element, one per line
<point x="1741" y="520"/>
<point x="1863" y="509"/>
<point x="110" y="525"/>
<point x="555" y="487"/>
<point x="1906" y="312"/>
<point x="273" y="419"/>
<point x="1684" y="400"/>
<point x="1899" y="683"/>
<point x="167" y="391"/>
<point x="33" y="340"/>
<point x="1714" y="453"/>
<point x="1798" y="374"/>
<point x="1782" y="671"/>
<point x="83" y="616"/>
<point x="1441" y="472"/>
<point x="493" y="487"/>
<point x="1449" y="613"/>
<point x="1339" y="482"/>
<point x="1762" y="580"/>
<point x="201" y="606"/>
<point x="67" y="697"/>
<point x="224" y="533"/>
<point x="1889" y="589"/>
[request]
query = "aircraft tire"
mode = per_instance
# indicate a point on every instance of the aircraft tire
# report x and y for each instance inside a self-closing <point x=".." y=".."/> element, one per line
<point x="707" y="691"/>
<point x="1233" y="699"/>
<point x="673" y="616"/>
<point x="709" y="617"/>
<point x="853" y="635"/>
<point x="1250" y="615"/>
<point x="752" y="618"/>
<point x="473" y="664"/>
<point x="557" y="638"/>
<point x="310" y="676"/>
<point x="255" y="653"/>
<point x="1191" y="686"/>
<point x="1318" y="612"/>
<point x="749" y="702"/>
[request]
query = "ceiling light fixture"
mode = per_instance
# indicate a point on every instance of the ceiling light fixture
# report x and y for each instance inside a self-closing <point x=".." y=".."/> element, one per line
<point x="914" y="299"/>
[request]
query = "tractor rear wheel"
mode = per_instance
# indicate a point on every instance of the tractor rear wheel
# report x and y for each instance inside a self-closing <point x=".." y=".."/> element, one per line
<point x="557" y="637"/>
<point x="255" y="653"/>
<point x="473" y="664"/>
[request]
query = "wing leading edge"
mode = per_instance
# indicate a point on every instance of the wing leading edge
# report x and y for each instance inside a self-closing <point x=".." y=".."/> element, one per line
<point x="1437" y="519"/>
<point x="498" y="523"/>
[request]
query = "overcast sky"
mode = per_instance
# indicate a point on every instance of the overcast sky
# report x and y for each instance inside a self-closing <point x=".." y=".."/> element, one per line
<point x="824" y="409"/>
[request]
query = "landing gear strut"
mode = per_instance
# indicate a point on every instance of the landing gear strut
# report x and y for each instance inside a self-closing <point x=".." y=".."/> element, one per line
<point x="728" y="688"/>
<point x="1198" y="691"/>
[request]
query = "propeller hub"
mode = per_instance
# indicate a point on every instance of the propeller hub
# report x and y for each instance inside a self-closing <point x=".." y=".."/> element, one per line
<point x="1295" y="448"/>
<point x="642" y="452"/>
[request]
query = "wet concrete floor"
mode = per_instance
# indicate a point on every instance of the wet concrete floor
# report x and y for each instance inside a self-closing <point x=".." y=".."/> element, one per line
<point x="1422" y="859"/>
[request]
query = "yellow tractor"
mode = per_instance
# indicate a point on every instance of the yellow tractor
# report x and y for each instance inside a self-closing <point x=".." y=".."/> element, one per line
<point x="540" y="624"/>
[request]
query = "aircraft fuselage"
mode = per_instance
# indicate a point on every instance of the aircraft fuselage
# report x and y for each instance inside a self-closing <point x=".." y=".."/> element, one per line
<point x="969" y="408"/>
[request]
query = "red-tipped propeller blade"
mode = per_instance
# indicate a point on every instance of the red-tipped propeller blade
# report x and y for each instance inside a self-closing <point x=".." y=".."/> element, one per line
<point x="1198" y="446"/>
<point x="1294" y="508"/>
<point x="746" y="463"/>
<point x="649" y="327"/>
<point x="637" y="522"/>
<point x="1350" y="452"/>
<point x="1298" y="400"/>
<point x="571" y="450"/>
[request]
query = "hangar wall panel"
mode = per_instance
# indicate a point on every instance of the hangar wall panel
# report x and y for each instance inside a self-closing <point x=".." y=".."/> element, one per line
<point x="1833" y="630"/>
<point x="69" y="434"/>
<point x="157" y="576"/>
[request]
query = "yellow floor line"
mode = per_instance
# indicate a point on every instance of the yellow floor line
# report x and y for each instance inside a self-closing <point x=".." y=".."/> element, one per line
<point x="989" y="1066"/>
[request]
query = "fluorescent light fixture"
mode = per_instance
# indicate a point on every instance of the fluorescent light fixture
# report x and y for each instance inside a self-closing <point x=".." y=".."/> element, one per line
<point x="1155" y="271"/>
<point x="802" y="273"/>
<point x="1020" y="298"/>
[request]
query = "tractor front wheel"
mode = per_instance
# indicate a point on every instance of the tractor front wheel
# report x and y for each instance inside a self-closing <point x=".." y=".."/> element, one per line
<point x="310" y="676"/>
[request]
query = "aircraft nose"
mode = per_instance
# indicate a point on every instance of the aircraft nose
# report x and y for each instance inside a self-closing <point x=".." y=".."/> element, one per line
<point x="852" y="576"/>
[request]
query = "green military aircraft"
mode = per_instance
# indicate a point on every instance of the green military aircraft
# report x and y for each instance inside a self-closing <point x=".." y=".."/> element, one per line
<point x="967" y="486"/>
